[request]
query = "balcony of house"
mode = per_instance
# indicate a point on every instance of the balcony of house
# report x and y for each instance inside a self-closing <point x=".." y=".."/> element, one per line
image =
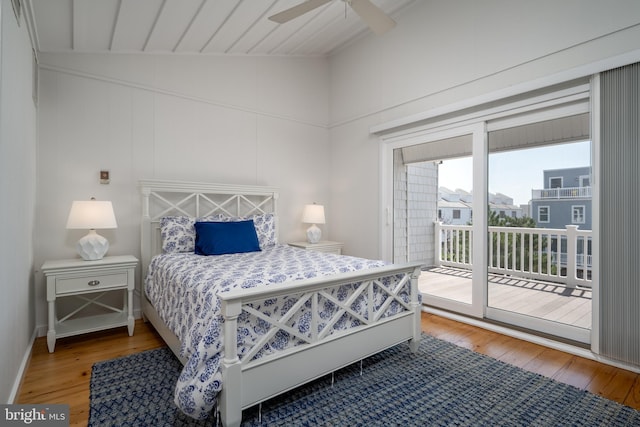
<point x="541" y="272"/>
<point x="561" y="193"/>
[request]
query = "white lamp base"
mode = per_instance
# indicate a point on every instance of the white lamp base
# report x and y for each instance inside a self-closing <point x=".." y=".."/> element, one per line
<point x="314" y="234"/>
<point x="92" y="247"/>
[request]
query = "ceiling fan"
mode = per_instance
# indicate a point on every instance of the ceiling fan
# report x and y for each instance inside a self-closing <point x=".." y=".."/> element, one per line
<point x="375" y="18"/>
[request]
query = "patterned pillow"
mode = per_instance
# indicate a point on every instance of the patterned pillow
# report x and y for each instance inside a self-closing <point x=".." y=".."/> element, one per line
<point x="265" y="227"/>
<point x="178" y="233"/>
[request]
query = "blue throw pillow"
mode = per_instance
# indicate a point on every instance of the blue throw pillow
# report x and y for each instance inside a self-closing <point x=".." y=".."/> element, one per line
<point x="218" y="238"/>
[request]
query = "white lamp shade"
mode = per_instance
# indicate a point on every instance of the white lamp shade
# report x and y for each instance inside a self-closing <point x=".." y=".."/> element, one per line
<point x="313" y="214"/>
<point x="91" y="214"/>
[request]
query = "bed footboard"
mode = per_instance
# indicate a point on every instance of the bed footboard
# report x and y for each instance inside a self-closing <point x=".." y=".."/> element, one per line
<point x="248" y="381"/>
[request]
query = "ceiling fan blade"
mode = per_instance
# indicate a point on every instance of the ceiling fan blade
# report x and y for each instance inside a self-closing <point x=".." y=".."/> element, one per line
<point x="295" y="11"/>
<point x="377" y="20"/>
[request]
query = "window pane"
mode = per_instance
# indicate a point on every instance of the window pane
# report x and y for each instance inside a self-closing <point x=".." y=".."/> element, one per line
<point x="543" y="214"/>
<point x="537" y="247"/>
<point x="555" y="182"/>
<point x="578" y="215"/>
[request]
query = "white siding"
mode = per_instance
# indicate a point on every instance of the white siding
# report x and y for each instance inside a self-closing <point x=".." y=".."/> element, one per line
<point x="400" y="209"/>
<point x="422" y="205"/>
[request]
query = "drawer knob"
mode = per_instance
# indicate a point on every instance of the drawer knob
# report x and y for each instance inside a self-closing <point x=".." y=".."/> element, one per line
<point x="93" y="282"/>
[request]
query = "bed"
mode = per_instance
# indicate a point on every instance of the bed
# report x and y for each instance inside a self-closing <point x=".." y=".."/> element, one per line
<point x="244" y="338"/>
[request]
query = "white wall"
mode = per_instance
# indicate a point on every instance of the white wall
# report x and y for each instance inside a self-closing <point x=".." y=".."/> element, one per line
<point x="264" y="120"/>
<point x="443" y="52"/>
<point x="234" y="120"/>
<point x="17" y="196"/>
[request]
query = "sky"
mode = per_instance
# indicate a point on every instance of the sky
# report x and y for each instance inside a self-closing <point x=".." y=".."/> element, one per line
<point x="515" y="173"/>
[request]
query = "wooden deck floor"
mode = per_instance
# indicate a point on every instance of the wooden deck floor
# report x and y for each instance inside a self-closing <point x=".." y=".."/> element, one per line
<point x="538" y="299"/>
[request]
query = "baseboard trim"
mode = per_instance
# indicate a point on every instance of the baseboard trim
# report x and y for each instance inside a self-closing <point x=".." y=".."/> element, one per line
<point x="17" y="383"/>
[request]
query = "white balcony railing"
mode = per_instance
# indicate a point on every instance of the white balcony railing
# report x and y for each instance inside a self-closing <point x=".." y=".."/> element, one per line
<point x="553" y="255"/>
<point x="561" y="193"/>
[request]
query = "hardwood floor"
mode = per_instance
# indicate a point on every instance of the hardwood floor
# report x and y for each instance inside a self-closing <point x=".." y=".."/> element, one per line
<point x="613" y="383"/>
<point x="63" y="376"/>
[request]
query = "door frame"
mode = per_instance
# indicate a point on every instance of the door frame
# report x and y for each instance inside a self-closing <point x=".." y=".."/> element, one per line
<point x="479" y="269"/>
<point x="566" y="101"/>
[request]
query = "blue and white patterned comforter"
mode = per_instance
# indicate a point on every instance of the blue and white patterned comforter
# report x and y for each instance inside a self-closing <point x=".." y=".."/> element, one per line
<point x="183" y="287"/>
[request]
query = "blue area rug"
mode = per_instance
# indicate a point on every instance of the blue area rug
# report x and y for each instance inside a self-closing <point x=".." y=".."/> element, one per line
<point x="441" y="385"/>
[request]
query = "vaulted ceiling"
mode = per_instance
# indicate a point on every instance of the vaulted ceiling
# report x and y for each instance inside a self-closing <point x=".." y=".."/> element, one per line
<point x="236" y="27"/>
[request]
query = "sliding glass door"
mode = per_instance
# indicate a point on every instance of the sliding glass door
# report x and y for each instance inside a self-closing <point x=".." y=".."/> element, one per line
<point x="498" y="209"/>
<point x="539" y="229"/>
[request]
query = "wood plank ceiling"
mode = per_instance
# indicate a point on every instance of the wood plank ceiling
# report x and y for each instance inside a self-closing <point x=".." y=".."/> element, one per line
<point x="235" y="27"/>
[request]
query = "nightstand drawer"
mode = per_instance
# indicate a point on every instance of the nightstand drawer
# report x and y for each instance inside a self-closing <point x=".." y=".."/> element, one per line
<point x="91" y="283"/>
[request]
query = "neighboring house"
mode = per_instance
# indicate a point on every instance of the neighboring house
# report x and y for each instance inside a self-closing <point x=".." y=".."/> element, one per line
<point x="564" y="200"/>
<point x="454" y="207"/>
<point x="526" y="210"/>
<point x="503" y="205"/>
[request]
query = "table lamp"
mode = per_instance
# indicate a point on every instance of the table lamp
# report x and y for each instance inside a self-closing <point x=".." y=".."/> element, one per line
<point x="313" y="214"/>
<point x="92" y="215"/>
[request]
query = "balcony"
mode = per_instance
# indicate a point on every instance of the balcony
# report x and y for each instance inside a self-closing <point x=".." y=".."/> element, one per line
<point x="539" y="272"/>
<point x="544" y="300"/>
<point x="560" y="256"/>
<point x="561" y="193"/>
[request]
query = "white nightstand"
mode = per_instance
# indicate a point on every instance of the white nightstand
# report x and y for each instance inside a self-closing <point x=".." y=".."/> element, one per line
<point x="76" y="277"/>
<point x="321" y="246"/>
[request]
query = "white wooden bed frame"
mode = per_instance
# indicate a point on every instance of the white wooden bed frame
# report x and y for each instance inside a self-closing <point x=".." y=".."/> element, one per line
<point x="246" y="382"/>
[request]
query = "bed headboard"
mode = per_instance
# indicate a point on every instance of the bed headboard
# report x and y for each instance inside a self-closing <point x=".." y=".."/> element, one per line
<point x="196" y="199"/>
